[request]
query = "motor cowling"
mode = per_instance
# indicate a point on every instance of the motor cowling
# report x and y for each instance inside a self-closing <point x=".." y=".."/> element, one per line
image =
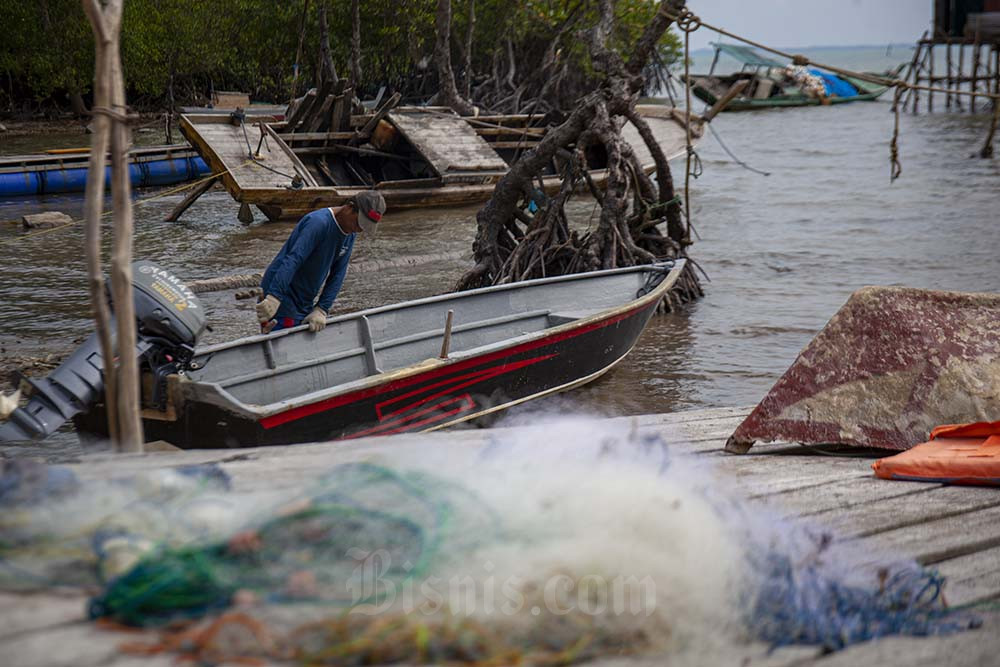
<point x="169" y="321"/>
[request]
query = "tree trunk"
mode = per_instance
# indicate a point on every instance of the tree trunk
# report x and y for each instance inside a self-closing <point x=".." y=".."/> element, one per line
<point x="327" y="71"/>
<point x="298" y="51"/>
<point x="447" y="94"/>
<point x="503" y="252"/>
<point x="355" y="46"/>
<point x="470" y="27"/>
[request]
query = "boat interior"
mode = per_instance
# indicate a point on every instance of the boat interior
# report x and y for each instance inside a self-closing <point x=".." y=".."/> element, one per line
<point x="293" y="363"/>
<point x="763" y="84"/>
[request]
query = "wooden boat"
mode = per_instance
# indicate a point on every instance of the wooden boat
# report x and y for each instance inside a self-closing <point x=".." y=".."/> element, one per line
<point x="770" y="86"/>
<point x="65" y="170"/>
<point x="380" y="371"/>
<point x="416" y="156"/>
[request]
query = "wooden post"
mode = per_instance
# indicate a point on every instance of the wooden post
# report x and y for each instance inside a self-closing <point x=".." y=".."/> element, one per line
<point x="996" y="74"/>
<point x="189" y="199"/>
<point x="911" y="69"/>
<point x="961" y="73"/>
<point x="974" y="83"/>
<point x="93" y="206"/>
<point x="930" y="77"/>
<point x="446" y="340"/>
<point x="948" y="77"/>
<point x="106" y="23"/>
<point x="987" y="150"/>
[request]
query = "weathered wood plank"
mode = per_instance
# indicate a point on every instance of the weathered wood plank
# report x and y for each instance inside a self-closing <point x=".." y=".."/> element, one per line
<point x="941" y="539"/>
<point x="972" y="578"/>
<point x="20" y="613"/>
<point x="448" y="142"/>
<point x="915" y="507"/>
<point x="967" y="649"/>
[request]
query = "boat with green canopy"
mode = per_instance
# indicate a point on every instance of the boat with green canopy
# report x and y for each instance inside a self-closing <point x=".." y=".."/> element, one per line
<point x="773" y="83"/>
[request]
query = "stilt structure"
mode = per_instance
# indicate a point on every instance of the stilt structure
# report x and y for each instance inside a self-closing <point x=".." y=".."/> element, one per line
<point x="965" y="25"/>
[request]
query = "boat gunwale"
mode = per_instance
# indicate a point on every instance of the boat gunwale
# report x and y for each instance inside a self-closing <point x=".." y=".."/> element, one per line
<point x="331" y="195"/>
<point x="223" y="398"/>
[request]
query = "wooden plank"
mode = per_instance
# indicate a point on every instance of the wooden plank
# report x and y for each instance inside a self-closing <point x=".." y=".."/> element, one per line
<point x="918" y="504"/>
<point x="76" y="645"/>
<point x="292" y="158"/>
<point x="514" y="144"/>
<point x="971" y="649"/>
<point x="447" y="142"/>
<point x="342" y="148"/>
<point x="383" y="111"/>
<point x="941" y="539"/>
<point x="189" y="199"/>
<point x="22" y="612"/>
<point x="501" y="131"/>
<point x="972" y="578"/>
<point x="301" y="111"/>
<point x="296" y="137"/>
<point x="320" y="116"/>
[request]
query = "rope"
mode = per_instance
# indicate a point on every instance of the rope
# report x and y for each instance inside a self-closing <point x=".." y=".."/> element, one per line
<point x="688" y="23"/>
<point x="686" y="18"/>
<point x="896" y="169"/>
<point x="111" y="113"/>
<point x="140" y="202"/>
<point x="730" y="154"/>
<point x="241" y="117"/>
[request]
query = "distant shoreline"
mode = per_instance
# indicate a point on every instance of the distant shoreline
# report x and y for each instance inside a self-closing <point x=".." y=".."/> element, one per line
<point x="908" y="45"/>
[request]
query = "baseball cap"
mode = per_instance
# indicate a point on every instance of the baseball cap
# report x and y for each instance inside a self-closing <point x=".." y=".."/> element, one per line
<point x="371" y="206"/>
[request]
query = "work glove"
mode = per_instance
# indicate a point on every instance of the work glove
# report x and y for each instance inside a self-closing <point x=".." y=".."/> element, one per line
<point x="267" y="308"/>
<point x="316" y="320"/>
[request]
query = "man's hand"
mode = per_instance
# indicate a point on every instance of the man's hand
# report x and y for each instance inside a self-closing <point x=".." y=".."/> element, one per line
<point x="316" y="320"/>
<point x="267" y="308"/>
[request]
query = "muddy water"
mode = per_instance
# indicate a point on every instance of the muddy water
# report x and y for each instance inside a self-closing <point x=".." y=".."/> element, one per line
<point x="783" y="252"/>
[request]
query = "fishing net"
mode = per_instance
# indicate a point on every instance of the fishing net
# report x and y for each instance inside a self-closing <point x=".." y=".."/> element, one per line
<point x="801" y="603"/>
<point x="56" y="530"/>
<point x="313" y="550"/>
<point x="551" y="545"/>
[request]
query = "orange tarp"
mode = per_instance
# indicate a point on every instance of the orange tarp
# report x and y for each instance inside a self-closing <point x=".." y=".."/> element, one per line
<point x="955" y="454"/>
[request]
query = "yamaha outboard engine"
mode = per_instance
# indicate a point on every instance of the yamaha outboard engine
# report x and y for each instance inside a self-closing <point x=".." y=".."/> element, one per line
<point x="169" y="319"/>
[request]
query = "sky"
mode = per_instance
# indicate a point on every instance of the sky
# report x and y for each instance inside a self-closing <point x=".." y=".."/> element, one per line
<point x="789" y="23"/>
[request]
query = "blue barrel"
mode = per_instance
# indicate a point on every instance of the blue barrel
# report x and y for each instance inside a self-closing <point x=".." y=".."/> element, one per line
<point x="141" y="174"/>
<point x="19" y="184"/>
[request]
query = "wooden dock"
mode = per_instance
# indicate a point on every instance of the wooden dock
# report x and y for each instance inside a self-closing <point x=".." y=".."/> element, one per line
<point x="953" y="529"/>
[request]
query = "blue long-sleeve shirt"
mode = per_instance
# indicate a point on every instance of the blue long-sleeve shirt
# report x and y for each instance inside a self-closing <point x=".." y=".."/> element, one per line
<point x="315" y="256"/>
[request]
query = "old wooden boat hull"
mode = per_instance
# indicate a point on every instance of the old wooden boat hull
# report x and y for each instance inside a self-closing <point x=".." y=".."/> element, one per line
<point x="769" y="84"/>
<point x="377" y="372"/>
<point x="703" y="93"/>
<point x="438" y="159"/>
<point x="62" y="171"/>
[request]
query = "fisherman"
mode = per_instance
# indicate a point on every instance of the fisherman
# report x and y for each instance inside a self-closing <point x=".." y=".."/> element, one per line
<point x="314" y="261"/>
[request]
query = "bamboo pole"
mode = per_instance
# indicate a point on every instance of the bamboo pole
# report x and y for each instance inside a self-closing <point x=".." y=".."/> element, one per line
<point x="106" y="23"/>
<point x="93" y="208"/>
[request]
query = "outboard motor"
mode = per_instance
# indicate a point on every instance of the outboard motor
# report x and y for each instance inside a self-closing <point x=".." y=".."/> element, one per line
<point x="169" y="320"/>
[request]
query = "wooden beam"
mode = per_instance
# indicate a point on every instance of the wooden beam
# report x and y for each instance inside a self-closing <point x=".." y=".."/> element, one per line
<point x="296" y="137"/>
<point x="301" y="111"/>
<point x="341" y="148"/>
<point x="723" y="101"/>
<point x="190" y="198"/>
<point x="380" y="114"/>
